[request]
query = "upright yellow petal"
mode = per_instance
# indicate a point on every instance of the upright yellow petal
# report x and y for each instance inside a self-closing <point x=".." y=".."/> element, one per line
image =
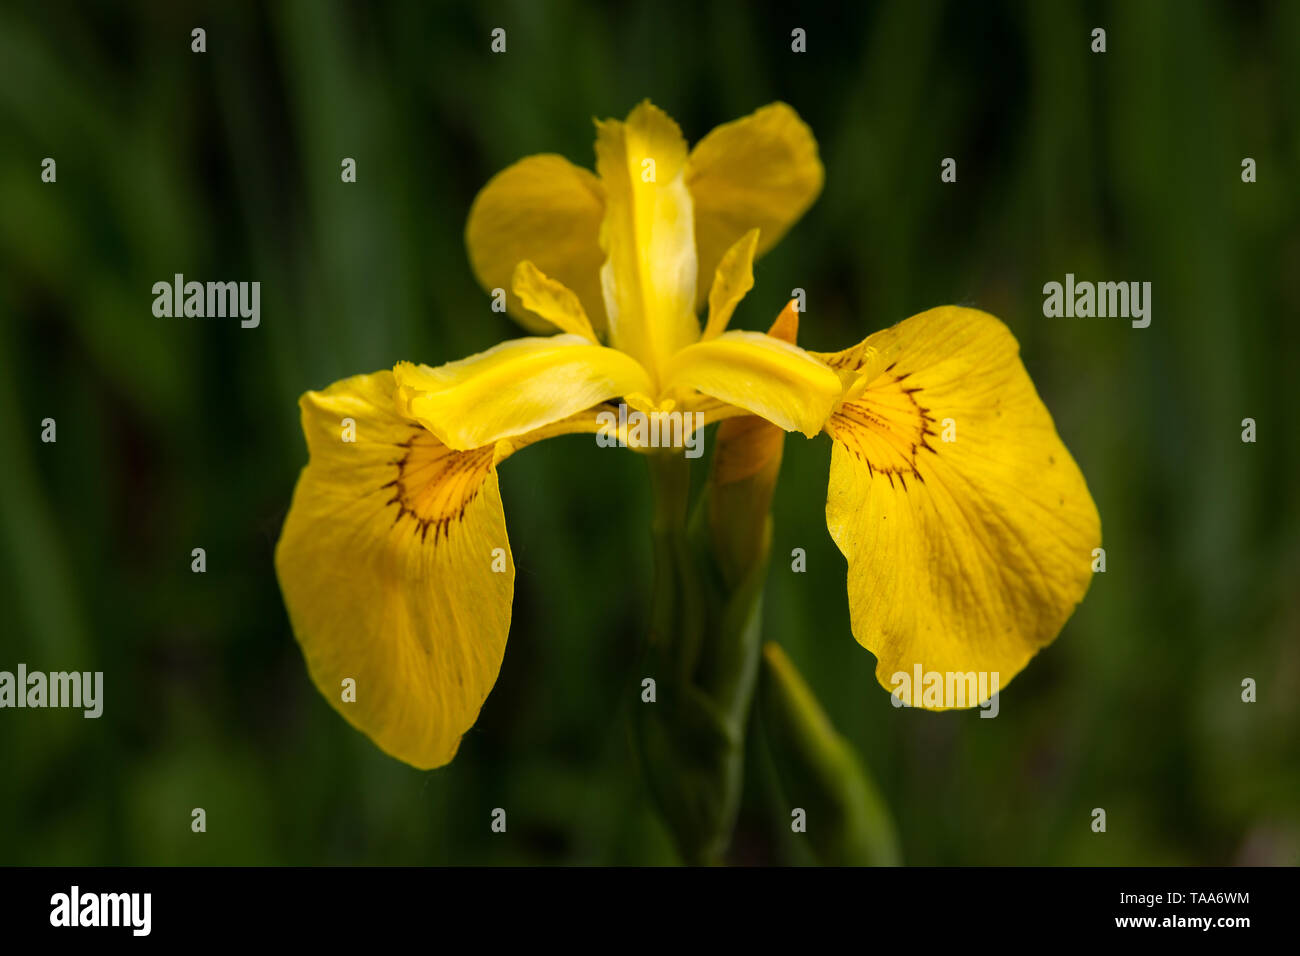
<point x="732" y="280"/>
<point x="648" y="236"/>
<point x="396" y="571"/>
<point x="552" y="300"/>
<point x="513" y="388"/>
<point x="548" y="211"/>
<point x="967" y="526"/>
<point x="761" y="171"/>
<point x="761" y="374"/>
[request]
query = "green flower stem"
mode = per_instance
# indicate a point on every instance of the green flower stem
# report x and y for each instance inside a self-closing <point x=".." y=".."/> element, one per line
<point x="703" y="653"/>
<point x="676" y="623"/>
<point x="729" y="661"/>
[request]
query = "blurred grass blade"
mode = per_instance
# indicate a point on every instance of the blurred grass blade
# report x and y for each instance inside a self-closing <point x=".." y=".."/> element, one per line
<point x="848" y="822"/>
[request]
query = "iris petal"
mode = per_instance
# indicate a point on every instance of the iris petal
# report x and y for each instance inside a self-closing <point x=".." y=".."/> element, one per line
<point x="547" y="210"/>
<point x="760" y="171"/>
<point x="761" y="374"/>
<point x="396" y="571"/>
<point x="514" y="388"/>
<point x="967" y="526"/>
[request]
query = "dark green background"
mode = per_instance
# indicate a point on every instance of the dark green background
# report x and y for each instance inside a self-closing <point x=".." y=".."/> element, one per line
<point x="183" y="433"/>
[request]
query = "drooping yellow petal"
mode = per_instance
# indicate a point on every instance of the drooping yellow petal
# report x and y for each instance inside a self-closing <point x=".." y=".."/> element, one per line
<point x="761" y="171"/>
<point x="648" y="236"/>
<point x="546" y="210"/>
<point x="734" y="277"/>
<point x="761" y="374"/>
<point x="967" y="526"/>
<point x="552" y="300"/>
<point x="396" y="571"/>
<point x="513" y="388"/>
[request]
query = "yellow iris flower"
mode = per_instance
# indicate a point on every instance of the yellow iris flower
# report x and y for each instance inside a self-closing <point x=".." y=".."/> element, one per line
<point x="394" y="561"/>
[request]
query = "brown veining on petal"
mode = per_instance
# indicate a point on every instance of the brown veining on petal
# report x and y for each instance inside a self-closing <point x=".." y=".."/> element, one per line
<point x="435" y="484"/>
<point x="885" y="426"/>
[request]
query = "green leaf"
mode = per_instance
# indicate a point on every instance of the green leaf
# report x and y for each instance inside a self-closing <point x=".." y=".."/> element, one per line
<point x="847" y="821"/>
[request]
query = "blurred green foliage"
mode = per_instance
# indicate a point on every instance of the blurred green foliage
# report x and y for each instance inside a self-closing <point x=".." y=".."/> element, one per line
<point x="183" y="433"/>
